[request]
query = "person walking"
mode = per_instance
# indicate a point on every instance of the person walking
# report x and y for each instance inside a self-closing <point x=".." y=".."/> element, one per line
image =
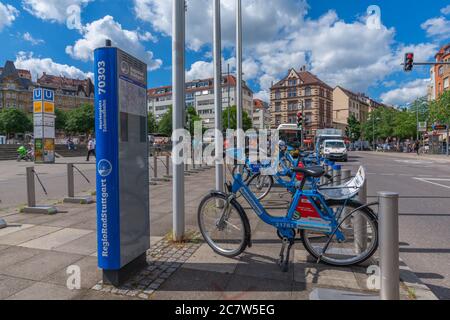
<point x="417" y="147"/>
<point x="91" y="148"/>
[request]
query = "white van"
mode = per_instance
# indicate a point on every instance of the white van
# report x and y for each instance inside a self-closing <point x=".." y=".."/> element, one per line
<point x="335" y="150"/>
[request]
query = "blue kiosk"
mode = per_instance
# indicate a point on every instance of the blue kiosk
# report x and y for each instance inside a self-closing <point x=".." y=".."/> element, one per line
<point x="123" y="217"/>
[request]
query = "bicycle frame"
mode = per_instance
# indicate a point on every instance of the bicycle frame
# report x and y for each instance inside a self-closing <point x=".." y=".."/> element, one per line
<point x="286" y="224"/>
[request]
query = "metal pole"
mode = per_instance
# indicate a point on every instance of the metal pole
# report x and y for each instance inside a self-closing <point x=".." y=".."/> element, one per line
<point x="70" y="181"/>
<point x="239" y="102"/>
<point x="167" y="165"/>
<point x="155" y="165"/>
<point x="31" y="191"/>
<point x="346" y="175"/>
<point x="178" y="78"/>
<point x="389" y="246"/>
<point x="337" y="171"/>
<point x="360" y="225"/>
<point x="302" y="135"/>
<point x="218" y="94"/>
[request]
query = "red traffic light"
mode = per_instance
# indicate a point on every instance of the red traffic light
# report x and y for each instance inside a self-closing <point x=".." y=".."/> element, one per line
<point x="299" y="114"/>
<point x="409" y="61"/>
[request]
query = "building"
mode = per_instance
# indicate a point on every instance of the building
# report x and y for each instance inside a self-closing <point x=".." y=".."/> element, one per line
<point x="16" y="88"/>
<point x="302" y="90"/>
<point x="69" y="93"/>
<point x="347" y="104"/>
<point x="261" y="115"/>
<point x="440" y="74"/>
<point x="200" y="95"/>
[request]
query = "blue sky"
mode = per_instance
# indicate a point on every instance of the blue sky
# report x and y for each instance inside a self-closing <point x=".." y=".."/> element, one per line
<point x="340" y="41"/>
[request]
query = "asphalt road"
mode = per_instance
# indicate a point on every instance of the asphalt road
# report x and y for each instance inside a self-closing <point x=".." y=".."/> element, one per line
<point x="424" y="222"/>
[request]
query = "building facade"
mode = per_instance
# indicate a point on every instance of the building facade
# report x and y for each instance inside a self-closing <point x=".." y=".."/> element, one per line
<point x="347" y="104"/>
<point x="16" y="88"/>
<point x="441" y="73"/>
<point x="200" y="95"/>
<point x="302" y="90"/>
<point x="69" y="93"/>
<point x="261" y="115"/>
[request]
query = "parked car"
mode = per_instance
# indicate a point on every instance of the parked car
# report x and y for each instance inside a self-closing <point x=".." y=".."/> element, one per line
<point x="335" y="150"/>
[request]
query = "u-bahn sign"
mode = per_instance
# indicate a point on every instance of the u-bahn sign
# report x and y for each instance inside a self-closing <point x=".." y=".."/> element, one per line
<point x="44" y="125"/>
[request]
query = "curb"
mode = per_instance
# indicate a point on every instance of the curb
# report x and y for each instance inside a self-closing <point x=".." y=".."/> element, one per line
<point x="414" y="284"/>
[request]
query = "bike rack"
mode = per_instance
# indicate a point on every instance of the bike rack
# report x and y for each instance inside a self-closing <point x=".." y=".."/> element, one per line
<point x="31" y="196"/>
<point x="155" y="170"/>
<point x="71" y="198"/>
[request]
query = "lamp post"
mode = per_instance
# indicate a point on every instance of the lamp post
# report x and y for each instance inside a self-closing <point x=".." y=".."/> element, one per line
<point x="239" y="102"/>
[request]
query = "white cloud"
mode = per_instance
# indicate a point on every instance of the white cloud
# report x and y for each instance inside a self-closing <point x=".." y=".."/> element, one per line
<point x="7" y="15"/>
<point x="446" y="10"/>
<point x="407" y="93"/>
<point x="94" y="36"/>
<point x="437" y="27"/>
<point x="52" y="10"/>
<point x="28" y="37"/>
<point x="283" y="15"/>
<point x="37" y="66"/>
<point x="205" y="69"/>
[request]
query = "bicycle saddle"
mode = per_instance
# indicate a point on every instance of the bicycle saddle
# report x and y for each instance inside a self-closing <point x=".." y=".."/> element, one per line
<point x="313" y="172"/>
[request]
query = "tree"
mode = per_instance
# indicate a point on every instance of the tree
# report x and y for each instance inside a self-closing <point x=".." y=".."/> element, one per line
<point x="165" y="124"/>
<point x="61" y="119"/>
<point x="152" y="125"/>
<point x="14" y="121"/>
<point x="440" y="109"/>
<point x="246" y="121"/>
<point x="81" y="120"/>
<point x="353" y="130"/>
<point x="405" y="125"/>
<point x="192" y="118"/>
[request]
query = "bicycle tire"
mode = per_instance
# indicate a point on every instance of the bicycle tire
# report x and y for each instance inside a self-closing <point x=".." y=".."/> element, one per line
<point x="351" y="204"/>
<point x="267" y="192"/>
<point x="243" y="216"/>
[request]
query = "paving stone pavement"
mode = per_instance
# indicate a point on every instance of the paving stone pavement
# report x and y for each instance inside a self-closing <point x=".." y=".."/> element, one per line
<point x="36" y="251"/>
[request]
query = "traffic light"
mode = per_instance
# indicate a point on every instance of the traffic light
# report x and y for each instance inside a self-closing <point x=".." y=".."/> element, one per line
<point x="300" y="120"/>
<point x="409" y="62"/>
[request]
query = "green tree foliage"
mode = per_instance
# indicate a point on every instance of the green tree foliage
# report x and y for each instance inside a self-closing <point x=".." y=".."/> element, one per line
<point x="246" y="120"/>
<point x="15" y="121"/>
<point x="192" y="118"/>
<point x="81" y="120"/>
<point x="61" y="119"/>
<point x="440" y="109"/>
<point x="353" y="130"/>
<point x="152" y="125"/>
<point x="405" y="125"/>
<point x="165" y="124"/>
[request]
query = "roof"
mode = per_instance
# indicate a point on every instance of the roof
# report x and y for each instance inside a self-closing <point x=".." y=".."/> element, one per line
<point x="259" y="104"/>
<point x="306" y="77"/>
<point x="64" y="83"/>
<point x="355" y="96"/>
<point x="20" y="76"/>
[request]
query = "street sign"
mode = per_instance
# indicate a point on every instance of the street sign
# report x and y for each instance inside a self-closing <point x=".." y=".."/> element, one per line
<point x="44" y="125"/>
<point x="423" y="127"/>
<point x="439" y="127"/>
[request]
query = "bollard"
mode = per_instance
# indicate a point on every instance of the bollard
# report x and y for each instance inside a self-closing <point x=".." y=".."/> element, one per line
<point x="168" y="176"/>
<point x="346" y="174"/>
<point x="71" y="189"/>
<point x="359" y="224"/>
<point x="389" y="246"/>
<point x="155" y="172"/>
<point x="337" y="171"/>
<point x="31" y="191"/>
<point x="31" y="197"/>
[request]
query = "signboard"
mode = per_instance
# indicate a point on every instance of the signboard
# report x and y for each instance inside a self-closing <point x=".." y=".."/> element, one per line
<point x="439" y="127"/>
<point x="123" y="224"/>
<point x="423" y="127"/>
<point x="44" y="125"/>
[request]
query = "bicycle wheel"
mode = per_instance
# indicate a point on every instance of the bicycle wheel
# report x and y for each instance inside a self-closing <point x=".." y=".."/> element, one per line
<point x="261" y="185"/>
<point x="361" y="236"/>
<point x="226" y="230"/>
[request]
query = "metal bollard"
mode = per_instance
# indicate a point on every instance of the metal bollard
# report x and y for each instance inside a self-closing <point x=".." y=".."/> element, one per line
<point x="168" y="166"/>
<point x="359" y="224"/>
<point x="31" y="191"/>
<point x="337" y="171"/>
<point x="346" y="174"/>
<point x="155" y="165"/>
<point x="70" y="181"/>
<point x="389" y="246"/>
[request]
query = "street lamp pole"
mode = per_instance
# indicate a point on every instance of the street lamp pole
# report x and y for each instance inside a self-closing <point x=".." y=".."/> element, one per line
<point x="239" y="107"/>
<point x="218" y="95"/>
<point x="179" y="98"/>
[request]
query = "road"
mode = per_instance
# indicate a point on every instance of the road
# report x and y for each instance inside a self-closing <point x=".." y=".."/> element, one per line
<point x="424" y="223"/>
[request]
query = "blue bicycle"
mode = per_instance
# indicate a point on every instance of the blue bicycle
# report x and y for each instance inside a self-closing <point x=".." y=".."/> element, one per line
<point x="342" y="232"/>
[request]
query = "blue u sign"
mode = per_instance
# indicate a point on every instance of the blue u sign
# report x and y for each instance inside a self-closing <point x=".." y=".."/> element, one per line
<point x="49" y="95"/>
<point x="37" y="94"/>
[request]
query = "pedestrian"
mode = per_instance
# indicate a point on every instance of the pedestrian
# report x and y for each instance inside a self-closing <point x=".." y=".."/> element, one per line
<point x="417" y="147"/>
<point x="91" y="148"/>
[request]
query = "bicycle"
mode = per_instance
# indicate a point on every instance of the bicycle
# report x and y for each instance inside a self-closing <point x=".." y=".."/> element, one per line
<point x="339" y="231"/>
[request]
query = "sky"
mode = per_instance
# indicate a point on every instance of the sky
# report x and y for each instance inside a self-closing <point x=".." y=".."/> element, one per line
<point x="356" y="44"/>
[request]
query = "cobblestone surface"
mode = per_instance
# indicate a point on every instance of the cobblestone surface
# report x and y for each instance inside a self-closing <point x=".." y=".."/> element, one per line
<point x="164" y="259"/>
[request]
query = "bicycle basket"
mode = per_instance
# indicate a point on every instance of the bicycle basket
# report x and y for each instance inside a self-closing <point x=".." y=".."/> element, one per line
<point x="347" y="190"/>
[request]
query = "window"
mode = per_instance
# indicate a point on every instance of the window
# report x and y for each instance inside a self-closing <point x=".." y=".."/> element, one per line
<point x="292" y="93"/>
<point x="277" y="106"/>
<point x="277" y="95"/>
<point x="278" y="120"/>
<point x="292" y="106"/>
<point x="292" y="82"/>
<point x="308" y="104"/>
<point x="441" y="70"/>
<point x="307" y="91"/>
<point x="446" y="83"/>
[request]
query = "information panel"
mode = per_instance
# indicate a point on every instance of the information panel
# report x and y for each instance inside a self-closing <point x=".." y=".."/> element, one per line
<point x="44" y="125"/>
<point x="122" y="159"/>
